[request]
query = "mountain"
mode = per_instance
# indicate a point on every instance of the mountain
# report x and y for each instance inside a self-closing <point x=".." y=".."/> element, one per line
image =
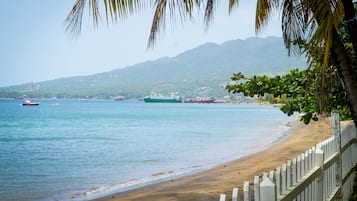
<point x="204" y="69"/>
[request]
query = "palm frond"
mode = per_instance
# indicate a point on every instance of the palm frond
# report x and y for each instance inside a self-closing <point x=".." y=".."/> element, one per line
<point x="311" y="21"/>
<point x="263" y="12"/>
<point x="119" y="9"/>
<point x="159" y="18"/>
<point x="291" y="22"/>
<point x="116" y="9"/>
<point x="182" y="9"/>
<point x="209" y="11"/>
<point x="93" y="6"/>
<point x="232" y="4"/>
<point x="74" y="18"/>
<point x="327" y="15"/>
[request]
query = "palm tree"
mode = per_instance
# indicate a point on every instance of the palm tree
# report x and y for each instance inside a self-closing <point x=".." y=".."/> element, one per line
<point x="318" y="23"/>
<point x="315" y="21"/>
<point x="119" y="9"/>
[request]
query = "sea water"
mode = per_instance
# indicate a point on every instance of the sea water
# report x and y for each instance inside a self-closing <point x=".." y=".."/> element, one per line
<point x="81" y="149"/>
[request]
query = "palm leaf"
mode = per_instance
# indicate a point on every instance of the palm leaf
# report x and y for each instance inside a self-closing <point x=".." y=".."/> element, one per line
<point x="309" y="20"/>
<point x="293" y="26"/>
<point x="95" y="12"/>
<point x="232" y="3"/>
<point x="117" y="9"/>
<point x="210" y="6"/>
<point x="327" y="15"/>
<point x="74" y="18"/>
<point x="159" y="18"/>
<point x="176" y="9"/>
<point x="263" y="12"/>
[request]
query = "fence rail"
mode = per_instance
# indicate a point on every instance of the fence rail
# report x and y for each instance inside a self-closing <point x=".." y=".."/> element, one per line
<point x="322" y="173"/>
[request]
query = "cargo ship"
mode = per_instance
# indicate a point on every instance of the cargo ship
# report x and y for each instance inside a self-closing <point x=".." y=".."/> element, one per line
<point x="162" y="99"/>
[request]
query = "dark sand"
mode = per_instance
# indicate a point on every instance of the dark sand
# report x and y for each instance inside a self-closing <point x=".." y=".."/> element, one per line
<point x="208" y="185"/>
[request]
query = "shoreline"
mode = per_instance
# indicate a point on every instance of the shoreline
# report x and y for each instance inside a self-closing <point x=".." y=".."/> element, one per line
<point x="281" y="133"/>
<point x="165" y="176"/>
<point x="209" y="184"/>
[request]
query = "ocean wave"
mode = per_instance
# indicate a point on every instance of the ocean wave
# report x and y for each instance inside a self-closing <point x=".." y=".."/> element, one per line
<point x="101" y="191"/>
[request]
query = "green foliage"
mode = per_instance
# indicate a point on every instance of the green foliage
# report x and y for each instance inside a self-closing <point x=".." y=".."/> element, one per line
<point x="299" y="90"/>
<point x="309" y="92"/>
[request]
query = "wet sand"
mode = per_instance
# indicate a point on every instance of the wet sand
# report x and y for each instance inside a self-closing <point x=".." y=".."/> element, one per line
<point x="209" y="184"/>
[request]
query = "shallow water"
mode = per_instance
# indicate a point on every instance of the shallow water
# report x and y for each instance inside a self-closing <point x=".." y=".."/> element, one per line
<point x="66" y="149"/>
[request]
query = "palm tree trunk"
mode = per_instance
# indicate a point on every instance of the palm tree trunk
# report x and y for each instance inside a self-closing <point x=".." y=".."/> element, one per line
<point x="346" y="72"/>
<point x="351" y="22"/>
<point x="352" y="30"/>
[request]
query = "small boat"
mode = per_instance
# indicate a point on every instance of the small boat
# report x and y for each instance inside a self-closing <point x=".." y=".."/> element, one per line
<point x="119" y="98"/>
<point x="30" y="103"/>
<point x="162" y="99"/>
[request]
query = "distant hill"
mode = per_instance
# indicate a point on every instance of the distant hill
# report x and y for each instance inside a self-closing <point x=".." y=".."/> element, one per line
<point x="203" y="70"/>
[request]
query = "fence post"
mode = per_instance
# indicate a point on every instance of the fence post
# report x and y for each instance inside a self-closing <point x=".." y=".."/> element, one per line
<point x="267" y="190"/>
<point x="283" y="178"/>
<point x="256" y="189"/>
<point x="302" y="163"/>
<point x="277" y="181"/>
<point x="298" y="177"/>
<point x="271" y="175"/>
<point x="222" y="197"/>
<point x="319" y="161"/>
<point x="265" y="174"/>
<point x="310" y="160"/>
<point x="294" y="171"/>
<point x="288" y="173"/>
<point x="246" y="191"/>
<point x="235" y="194"/>
<point x="336" y="131"/>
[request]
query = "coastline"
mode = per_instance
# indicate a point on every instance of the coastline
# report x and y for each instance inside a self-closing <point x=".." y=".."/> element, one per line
<point x="209" y="184"/>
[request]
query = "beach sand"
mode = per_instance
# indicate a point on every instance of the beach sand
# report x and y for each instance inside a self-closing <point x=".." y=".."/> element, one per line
<point x="209" y="184"/>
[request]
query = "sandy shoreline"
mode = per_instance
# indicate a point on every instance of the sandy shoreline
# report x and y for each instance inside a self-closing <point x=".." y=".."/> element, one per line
<point x="209" y="184"/>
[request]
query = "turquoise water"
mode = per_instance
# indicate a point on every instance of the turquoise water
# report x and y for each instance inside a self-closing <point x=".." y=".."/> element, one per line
<point x="78" y="149"/>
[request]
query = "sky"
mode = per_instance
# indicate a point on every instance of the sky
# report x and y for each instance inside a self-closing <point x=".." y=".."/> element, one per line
<point x="35" y="46"/>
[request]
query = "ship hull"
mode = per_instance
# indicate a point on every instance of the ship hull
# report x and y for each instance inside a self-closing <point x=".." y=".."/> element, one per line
<point x="158" y="100"/>
<point x="31" y="104"/>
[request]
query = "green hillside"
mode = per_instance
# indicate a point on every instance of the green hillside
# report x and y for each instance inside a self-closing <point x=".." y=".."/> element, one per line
<point x="203" y="70"/>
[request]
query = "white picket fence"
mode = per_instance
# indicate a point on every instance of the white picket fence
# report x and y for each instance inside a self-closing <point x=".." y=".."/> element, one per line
<point x="322" y="173"/>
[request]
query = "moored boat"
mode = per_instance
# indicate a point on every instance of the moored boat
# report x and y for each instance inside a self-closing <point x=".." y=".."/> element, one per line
<point x="162" y="99"/>
<point x="30" y="103"/>
<point x="119" y="98"/>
